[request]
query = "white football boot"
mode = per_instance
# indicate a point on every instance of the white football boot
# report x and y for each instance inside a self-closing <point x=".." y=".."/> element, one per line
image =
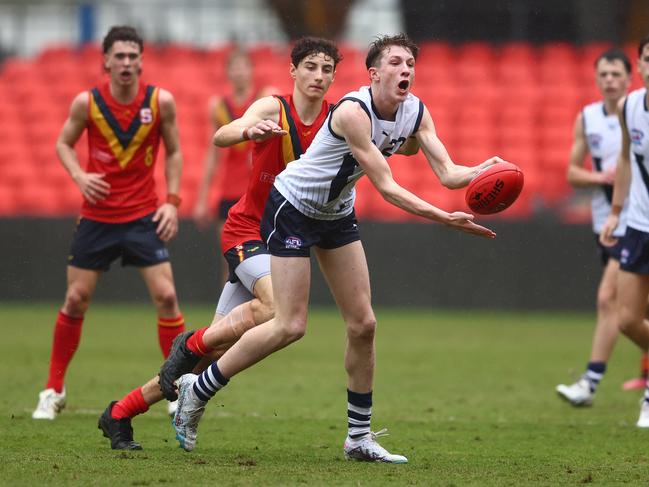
<point x="366" y="449"/>
<point x="189" y="412"/>
<point x="50" y="404"/>
<point x="577" y="394"/>
<point x="172" y="406"/>
<point x="643" y="420"/>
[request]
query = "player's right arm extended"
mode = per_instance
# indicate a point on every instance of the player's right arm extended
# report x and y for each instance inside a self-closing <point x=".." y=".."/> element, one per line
<point x="258" y="123"/>
<point x="577" y="175"/>
<point x="350" y="121"/>
<point x="621" y="184"/>
<point x="92" y="185"/>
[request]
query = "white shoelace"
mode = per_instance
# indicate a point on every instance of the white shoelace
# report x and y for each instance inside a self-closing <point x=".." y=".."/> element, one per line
<point x="379" y="434"/>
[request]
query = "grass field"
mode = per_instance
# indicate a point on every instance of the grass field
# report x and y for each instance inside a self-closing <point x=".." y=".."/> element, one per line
<point x="468" y="397"/>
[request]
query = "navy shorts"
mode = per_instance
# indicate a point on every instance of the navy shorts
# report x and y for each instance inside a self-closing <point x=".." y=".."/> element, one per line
<point x="97" y="244"/>
<point x="236" y="255"/>
<point x="224" y="208"/>
<point x="606" y="253"/>
<point x="289" y="233"/>
<point x="634" y="256"/>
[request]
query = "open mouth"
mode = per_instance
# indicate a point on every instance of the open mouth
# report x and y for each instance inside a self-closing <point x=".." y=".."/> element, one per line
<point x="403" y="85"/>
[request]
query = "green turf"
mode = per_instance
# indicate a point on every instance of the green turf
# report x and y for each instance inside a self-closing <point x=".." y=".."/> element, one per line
<point x="468" y="397"/>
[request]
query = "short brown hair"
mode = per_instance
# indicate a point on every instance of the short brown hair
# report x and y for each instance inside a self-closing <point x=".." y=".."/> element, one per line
<point x="615" y="54"/>
<point x="306" y="46"/>
<point x="121" y="33"/>
<point x="377" y="47"/>
<point x="643" y="42"/>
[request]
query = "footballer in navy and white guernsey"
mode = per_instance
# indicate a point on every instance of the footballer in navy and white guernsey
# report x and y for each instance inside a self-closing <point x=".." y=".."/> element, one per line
<point x="632" y="179"/>
<point x="597" y="132"/>
<point x="311" y="207"/>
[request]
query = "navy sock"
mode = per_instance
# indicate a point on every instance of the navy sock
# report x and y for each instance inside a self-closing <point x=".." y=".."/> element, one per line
<point x="594" y="373"/>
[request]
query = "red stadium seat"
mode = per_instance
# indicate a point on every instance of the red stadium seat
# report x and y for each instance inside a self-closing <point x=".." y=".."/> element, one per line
<point x="471" y="74"/>
<point x="478" y="52"/>
<point x="517" y="52"/>
<point x="440" y="53"/>
<point x="515" y="100"/>
<point x="557" y="53"/>
<point x="438" y="94"/>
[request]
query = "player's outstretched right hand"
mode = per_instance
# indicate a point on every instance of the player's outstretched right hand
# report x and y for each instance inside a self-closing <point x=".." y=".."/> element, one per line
<point x="464" y="222"/>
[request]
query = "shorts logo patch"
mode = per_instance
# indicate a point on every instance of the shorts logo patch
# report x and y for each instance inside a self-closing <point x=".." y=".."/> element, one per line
<point x="253" y="249"/>
<point x="636" y="136"/>
<point x="293" y="243"/>
<point x="162" y="254"/>
<point x="624" y="256"/>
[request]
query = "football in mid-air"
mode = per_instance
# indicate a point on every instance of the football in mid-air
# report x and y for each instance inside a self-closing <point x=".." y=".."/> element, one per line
<point x="495" y="188"/>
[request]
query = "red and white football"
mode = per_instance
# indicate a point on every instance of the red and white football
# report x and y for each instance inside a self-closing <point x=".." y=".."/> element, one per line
<point x="495" y="188"/>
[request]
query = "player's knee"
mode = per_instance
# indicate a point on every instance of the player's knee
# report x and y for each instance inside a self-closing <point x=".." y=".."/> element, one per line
<point x="363" y="329"/>
<point x="293" y="330"/>
<point x="166" y="299"/>
<point x="76" y="301"/>
<point x="605" y="300"/>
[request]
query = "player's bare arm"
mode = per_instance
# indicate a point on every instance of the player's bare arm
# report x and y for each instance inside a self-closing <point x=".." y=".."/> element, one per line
<point x="167" y="214"/>
<point x="451" y="175"/>
<point x="210" y="164"/>
<point x="621" y="184"/>
<point x="93" y="187"/>
<point x="350" y="121"/>
<point x="258" y="123"/>
<point x="579" y="176"/>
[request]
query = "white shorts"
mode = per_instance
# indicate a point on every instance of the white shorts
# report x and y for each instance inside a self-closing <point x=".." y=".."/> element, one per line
<point x="249" y="272"/>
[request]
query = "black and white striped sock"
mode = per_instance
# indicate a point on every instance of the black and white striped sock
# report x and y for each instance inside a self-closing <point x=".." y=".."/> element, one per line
<point x="359" y="414"/>
<point x="209" y="382"/>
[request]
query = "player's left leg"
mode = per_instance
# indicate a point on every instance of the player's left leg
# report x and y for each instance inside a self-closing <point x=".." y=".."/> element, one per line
<point x="246" y="301"/>
<point x="159" y="281"/>
<point x="291" y="292"/>
<point x="346" y="273"/>
<point x="142" y="248"/>
<point x="582" y="392"/>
